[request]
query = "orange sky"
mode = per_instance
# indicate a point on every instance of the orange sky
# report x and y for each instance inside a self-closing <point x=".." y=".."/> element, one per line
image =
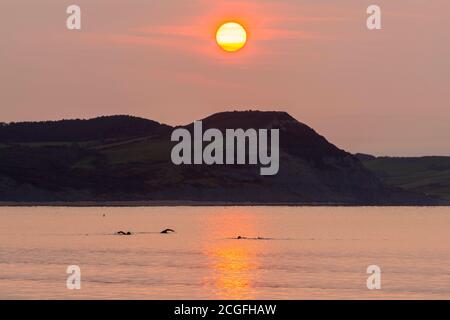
<point x="382" y="92"/>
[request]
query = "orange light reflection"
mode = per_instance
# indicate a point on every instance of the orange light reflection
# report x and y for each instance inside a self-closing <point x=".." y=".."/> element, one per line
<point x="233" y="263"/>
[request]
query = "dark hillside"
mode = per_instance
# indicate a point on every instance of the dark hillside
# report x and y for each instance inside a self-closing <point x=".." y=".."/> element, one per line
<point x="112" y="127"/>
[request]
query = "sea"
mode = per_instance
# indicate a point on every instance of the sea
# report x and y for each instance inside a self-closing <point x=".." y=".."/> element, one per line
<point x="225" y="252"/>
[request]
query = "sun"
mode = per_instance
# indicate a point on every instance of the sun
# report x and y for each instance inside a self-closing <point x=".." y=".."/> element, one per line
<point x="231" y="36"/>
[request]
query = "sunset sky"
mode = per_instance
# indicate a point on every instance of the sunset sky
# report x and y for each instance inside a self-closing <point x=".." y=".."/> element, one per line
<point x="385" y="92"/>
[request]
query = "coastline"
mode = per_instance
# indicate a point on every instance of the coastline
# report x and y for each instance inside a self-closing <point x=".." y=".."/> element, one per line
<point x="81" y="204"/>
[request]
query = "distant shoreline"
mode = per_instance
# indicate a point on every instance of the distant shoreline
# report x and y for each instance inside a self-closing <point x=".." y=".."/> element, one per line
<point x="119" y="204"/>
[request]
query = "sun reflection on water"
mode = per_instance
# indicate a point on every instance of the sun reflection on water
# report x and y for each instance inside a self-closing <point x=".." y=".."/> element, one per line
<point x="233" y="263"/>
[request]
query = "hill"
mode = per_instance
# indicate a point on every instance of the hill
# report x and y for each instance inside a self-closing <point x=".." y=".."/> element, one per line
<point x="113" y="127"/>
<point x="425" y="175"/>
<point x="131" y="162"/>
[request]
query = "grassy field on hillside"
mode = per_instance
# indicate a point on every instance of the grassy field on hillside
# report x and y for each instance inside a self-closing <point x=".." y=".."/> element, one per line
<point x="429" y="175"/>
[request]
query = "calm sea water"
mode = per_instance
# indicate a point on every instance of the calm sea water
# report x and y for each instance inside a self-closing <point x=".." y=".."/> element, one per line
<point x="306" y="253"/>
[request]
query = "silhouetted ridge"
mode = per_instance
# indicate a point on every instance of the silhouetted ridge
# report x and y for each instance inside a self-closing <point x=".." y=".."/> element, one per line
<point x="247" y="119"/>
<point x="117" y="168"/>
<point x="296" y="138"/>
<point x="107" y="127"/>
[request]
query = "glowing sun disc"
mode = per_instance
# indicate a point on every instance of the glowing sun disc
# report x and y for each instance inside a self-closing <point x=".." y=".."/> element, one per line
<point x="231" y="36"/>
